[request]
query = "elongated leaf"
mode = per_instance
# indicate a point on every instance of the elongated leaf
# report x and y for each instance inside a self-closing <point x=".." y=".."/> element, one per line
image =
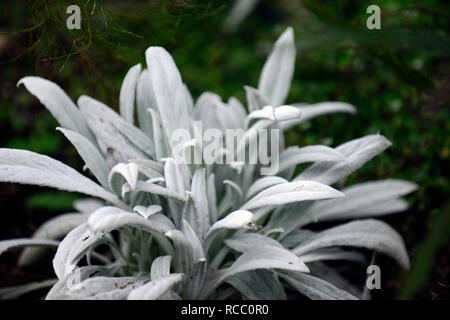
<point x="23" y="242"/>
<point x="211" y="198"/>
<point x="21" y="166"/>
<point x="177" y="177"/>
<point x="189" y="101"/>
<point x="314" y="110"/>
<point x="10" y="293"/>
<point x="198" y="194"/>
<point x="215" y="114"/>
<point x="237" y="111"/>
<point x="196" y="279"/>
<point x="159" y="138"/>
<point x="207" y="110"/>
<point x="315" y="288"/>
<point x="59" y="105"/>
<point x="113" y="131"/>
<point x="258" y="285"/>
<point x="136" y="137"/>
<point x="128" y="92"/>
<point x="104" y="288"/>
<point x="357" y="152"/>
<point x="370" y="234"/>
<point x="145" y="100"/>
<point x="154" y="189"/>
<point x="240" y="219"/>
<point x="276" y="75"/>
<point x="194" y="240"/>
<point x="155" y="288"/>
<point x="178" y="181"/>
<point x="264" y="257"/>
<point x="291" y="192"/>
<point x="263" y="183"/>
<point x="168" y="90"/>
<point x="244" y="242"/>
<point x="90" y="154"/>
<point x="238" y="194"/>
<point x="289" y="217"/>
<point x="107" y="219"/>
<point x="334" y="254"/>
<point x="362" y="200"/>
<point x="282" y="113"/>
<point x="295" y="155"/>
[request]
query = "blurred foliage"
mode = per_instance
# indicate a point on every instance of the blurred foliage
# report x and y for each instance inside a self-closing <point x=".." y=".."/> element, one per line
<point x="426" y="254"/>
<point x="397" y="77"/>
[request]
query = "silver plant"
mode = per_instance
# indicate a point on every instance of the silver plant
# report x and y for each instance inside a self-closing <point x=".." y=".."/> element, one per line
<point x="163" y="230"/>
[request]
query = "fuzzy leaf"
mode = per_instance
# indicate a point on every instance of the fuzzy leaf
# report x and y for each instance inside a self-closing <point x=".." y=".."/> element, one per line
<point x="370" y="234"/>
<point x="198" y="193"/>
<point x="295" y="155"/>
<point x="237" y="111"/>
<point x="212" y="198"/>
<point x="235" y="220"/>
<point x="59" y="105"/>
<point x="27" y="167"/>
<point x="159" y="138"/>
<point x="71" y="247"/>
<point x="258" y="285"/>
<point x="357" y="152"/>
<point x="104" y="288"/>
<point x="276" y="75"/>
<point x="128" y="92"/>
<point x="315" y="288"/>
<point x="113" y="131"/>
<point x="168" y="90"/>
<point x="263" y="257"/>
<point x="145" y="100"/>
<point x="291" y="192"/>
<point x="196" y="279"/>
<point x="263" y="183"/>
<point x="23" y="242"/>
<point x="107" y="219"/>
<point x="281" y="113"/>
<point x="314" y="110"/>
<point x="334" y="254"/>
<point x="244" y="242"/>
<point x="90" y="155"/>
<point x="194" y="240"/>
<point x="362" y="200"/>
<point x="156" y="288"/>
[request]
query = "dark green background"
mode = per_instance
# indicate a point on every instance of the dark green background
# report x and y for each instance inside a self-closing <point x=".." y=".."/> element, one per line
<point x="397" y="77"/>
